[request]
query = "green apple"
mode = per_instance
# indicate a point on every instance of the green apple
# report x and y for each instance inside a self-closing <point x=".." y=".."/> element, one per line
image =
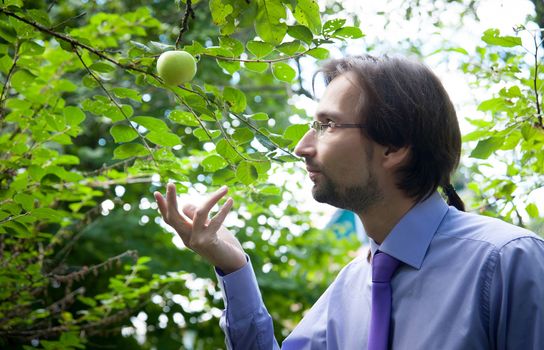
<point x="176" y="67"/>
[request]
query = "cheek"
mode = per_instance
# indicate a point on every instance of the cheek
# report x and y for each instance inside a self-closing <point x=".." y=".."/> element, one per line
<point x="346" y="161"/>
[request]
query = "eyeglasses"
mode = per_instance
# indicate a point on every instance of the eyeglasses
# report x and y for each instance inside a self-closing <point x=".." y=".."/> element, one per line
<point x="320" y="127"/>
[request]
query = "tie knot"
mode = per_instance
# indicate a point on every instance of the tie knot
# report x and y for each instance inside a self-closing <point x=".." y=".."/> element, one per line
<point x="383" y="267"/>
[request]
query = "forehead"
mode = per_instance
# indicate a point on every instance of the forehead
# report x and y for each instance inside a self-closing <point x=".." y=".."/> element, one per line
<point x="341" y="99"/>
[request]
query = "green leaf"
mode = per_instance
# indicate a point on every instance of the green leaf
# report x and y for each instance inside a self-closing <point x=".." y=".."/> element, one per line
<point x="24" y="31"/>
<point x="64" y="85"/>
<point x="227" y="151"/>
<point x="291" y="48"/>
<point x="307" y="13"/>
<point x="246" y="172"/>
<point x="87" y="301"/>
<point x="201" y="134"/>
<point x="222" y="177"/>
<point x="151" y="123"/>
<point x="492" y="37"/>
<point x="73" y="115"/>
<point x="123" y="133"/>
<point x="348" y="33"/>
<point x="284" y="72"/>
<point x="213" y="163"/>
<point x="235" y="46"/>
<point x="16" y="3"/>
<point x="235" y="98"/>
<point x="268" y="24"/>
<point x="5" y="64"/>
<point x="296" y="132"/>
<point x="243" y="135"/>
<point x="158" y="47"/>
<point x="528" y="131"/>
<point x="258" y="116"/>
<point x="259" y="48"/>
<point x="102" y="67"/>
<point x="319" y="52"/>
<point x="220" y="10"/>
<point x="47" y="214"/>
<point x="128" y="150"/>
<point x="183" y="118"/>
<point x="486" y="147"/>
<point x="31" y="48"/>
<point x="258" y="67"/>
<point x="140" y="46"/>
<point x="230" y="66"/>
<point x="330" y="26"/>
<point x="532" y="210"/>
<point x="163" y="138"/>
<point x="301" y="33"/>
<point x="24" y="200"/>
<point x="496" y="104"/>
<point x="116" y="114"/>
<point x="127" y="93"/>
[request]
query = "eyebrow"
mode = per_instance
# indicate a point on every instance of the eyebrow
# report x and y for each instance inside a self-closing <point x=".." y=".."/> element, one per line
<point x="327" y="114"/>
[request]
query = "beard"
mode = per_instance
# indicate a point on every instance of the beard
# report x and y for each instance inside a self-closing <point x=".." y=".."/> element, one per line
<point x="357" y="198"/>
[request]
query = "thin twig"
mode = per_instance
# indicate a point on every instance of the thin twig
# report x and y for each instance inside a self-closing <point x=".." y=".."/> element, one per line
<point x="51" y="5"/>
<point x="105" y="168"/>
<point x="184" y="23"/>
<point x="114" y="101"/>
<point x="535" y="83"/>
<point x="243" y="120"/>
<point x="5" y="88"/>
<point x="68" y="20"/>
<point x="236" y="59"/>
<point x="76" y="43"/>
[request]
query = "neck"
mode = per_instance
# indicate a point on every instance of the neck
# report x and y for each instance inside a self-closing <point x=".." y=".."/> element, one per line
<point x="380" y="219"/>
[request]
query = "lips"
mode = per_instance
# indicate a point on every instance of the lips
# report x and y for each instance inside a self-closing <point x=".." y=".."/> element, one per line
<point x="312" y="172"/>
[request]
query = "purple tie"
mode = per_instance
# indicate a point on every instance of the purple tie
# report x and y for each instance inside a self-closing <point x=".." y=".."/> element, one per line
<point x="383" y="268"/>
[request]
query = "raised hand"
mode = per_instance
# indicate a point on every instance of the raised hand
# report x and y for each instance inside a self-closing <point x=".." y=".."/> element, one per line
<point x="207" y="237"/>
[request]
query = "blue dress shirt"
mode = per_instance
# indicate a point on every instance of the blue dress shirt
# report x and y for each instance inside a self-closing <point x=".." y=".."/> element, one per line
<point x="466" y="282"/>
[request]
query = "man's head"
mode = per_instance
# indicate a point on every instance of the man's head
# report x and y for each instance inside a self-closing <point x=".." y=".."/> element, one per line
<point x="409" y="132"/>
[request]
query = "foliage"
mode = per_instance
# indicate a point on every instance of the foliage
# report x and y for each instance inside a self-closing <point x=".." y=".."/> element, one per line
<point x="88" y="131"/>
<point x="511" y="135"/>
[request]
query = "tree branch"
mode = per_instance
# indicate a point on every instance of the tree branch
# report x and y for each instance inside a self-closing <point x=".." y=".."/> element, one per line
<point x="184" y="23"/>
<point x="5" y="88"/>
<point x="535" y="83"/>
<point x="114" y="101"/>
<point x="272" y="60"/>
<point x="76" y="43"/>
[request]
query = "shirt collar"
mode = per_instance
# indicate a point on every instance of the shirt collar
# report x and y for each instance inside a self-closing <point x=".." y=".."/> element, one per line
<point x="412" y="235"/>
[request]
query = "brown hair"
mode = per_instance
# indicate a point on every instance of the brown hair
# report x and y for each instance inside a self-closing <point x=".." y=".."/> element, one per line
<point x="405" y="104"/>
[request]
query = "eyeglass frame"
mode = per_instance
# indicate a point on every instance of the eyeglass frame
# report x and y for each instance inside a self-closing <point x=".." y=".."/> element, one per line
<point x="320" y="127"/>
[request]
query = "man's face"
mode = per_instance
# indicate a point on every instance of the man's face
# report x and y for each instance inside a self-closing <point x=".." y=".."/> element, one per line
<point x="340" y="161"/>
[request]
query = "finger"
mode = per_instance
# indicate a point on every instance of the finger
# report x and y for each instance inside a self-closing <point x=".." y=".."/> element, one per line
<point x="200" y="217"/>
<point x="161" y="202"/>
<point x="171" y="200"/>
<point x="218" y="219"/>
<point x="188" y="210"/>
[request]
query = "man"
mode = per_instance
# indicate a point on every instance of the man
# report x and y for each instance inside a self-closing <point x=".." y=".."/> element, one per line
<point x="384" y="138"/>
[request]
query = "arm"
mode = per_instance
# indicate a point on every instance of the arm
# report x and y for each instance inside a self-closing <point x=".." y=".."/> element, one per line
<point x="517" y="309"/>
<point x="246" y="322"/>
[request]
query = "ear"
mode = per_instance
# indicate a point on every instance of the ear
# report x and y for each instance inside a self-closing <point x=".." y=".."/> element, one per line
<point x="394" y="157"/>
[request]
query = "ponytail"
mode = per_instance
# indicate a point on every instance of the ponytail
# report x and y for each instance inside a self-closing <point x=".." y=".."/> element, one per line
<point x="453" y="197"/>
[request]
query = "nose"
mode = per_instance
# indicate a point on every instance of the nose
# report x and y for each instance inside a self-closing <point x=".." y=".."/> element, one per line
<point x="306" y="146"/>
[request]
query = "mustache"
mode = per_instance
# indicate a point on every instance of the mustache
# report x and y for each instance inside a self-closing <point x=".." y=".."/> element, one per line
<point x="312" y="165"/>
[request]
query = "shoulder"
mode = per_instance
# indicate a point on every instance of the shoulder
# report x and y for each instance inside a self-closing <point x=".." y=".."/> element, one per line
<point x="356" y="266"/>
<point x="487" y="231"/>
